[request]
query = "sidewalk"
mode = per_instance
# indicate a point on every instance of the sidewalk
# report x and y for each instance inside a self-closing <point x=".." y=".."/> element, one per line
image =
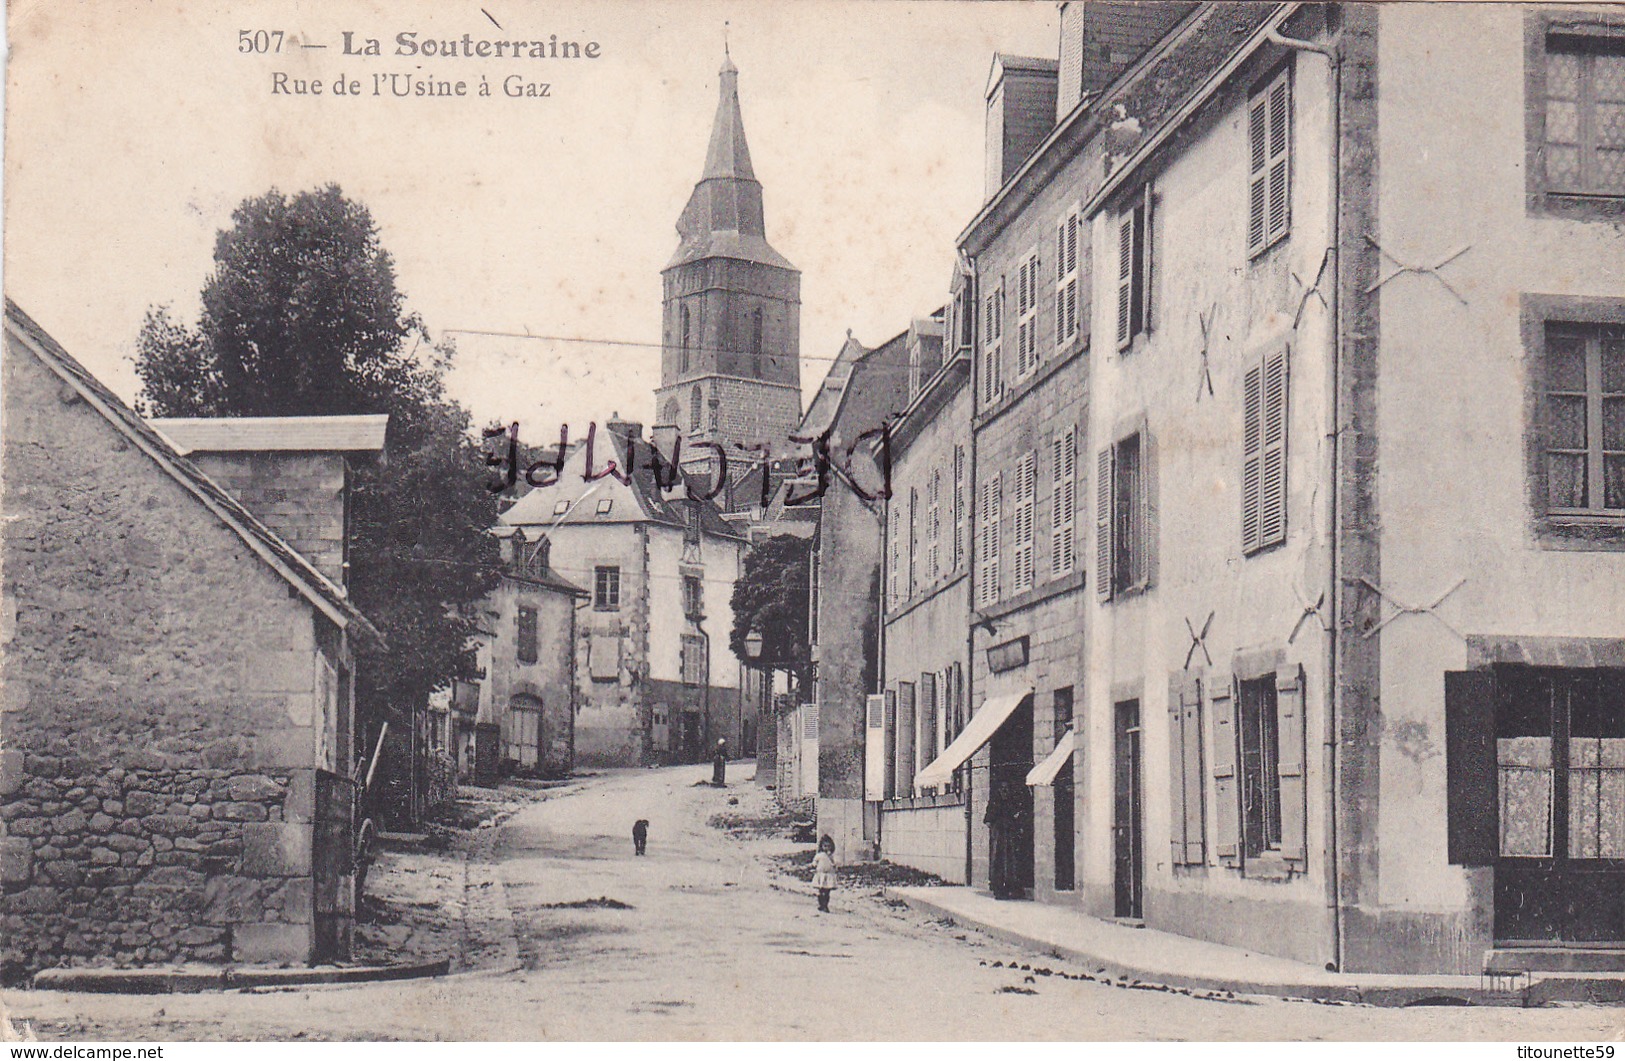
<point x="1124" y="953"/>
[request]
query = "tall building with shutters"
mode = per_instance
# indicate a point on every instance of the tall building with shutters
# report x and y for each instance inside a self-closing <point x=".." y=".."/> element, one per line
<point x="1356" y="658"/>
<point x="730" y="369"/>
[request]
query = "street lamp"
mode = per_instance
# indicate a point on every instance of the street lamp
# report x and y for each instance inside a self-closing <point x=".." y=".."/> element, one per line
<point x="753" y="644"/>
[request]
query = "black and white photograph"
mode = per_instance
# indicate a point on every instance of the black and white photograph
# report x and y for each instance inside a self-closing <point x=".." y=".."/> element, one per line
<point x="706" y="521"/>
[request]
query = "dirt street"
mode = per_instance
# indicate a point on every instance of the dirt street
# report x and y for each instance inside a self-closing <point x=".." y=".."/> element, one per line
<point x="706" y="938"/>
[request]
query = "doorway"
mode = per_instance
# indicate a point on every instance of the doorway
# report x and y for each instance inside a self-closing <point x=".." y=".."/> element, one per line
<point x="1010" y="804"/>
<point x="1560" y="765"/>
<point x="1065" y="822"/>
<point x="1128" y="838"/>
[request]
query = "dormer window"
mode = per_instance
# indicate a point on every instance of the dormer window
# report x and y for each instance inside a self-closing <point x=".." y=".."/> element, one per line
<point x="560" y="507"/>
<point x="604" y="505"/>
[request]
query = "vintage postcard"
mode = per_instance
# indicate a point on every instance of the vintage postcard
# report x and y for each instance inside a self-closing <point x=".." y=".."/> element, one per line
<point x="826" y="520"/>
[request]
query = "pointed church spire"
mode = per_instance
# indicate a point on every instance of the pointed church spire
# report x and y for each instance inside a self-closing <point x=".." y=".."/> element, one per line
<point x="729" y="156"/>
<point x="723" y="217"/>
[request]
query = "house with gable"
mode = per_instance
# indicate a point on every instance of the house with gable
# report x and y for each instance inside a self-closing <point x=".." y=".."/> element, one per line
<point x="655" y="679"/>
<point x="174" y="781"/>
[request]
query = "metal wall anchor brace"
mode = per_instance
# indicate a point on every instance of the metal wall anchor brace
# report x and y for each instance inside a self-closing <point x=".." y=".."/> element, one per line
<point x="1429" y="270"/>
<point x="1411" y="609"/>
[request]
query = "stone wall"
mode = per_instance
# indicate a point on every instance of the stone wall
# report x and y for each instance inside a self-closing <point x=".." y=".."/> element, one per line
<point x="158" y="712"/>
<point x="300" y="496"/>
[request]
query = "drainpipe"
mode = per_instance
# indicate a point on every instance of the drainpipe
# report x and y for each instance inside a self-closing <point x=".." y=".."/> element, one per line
<point x="970" y="557"/>
<point x="1329" y="747"/>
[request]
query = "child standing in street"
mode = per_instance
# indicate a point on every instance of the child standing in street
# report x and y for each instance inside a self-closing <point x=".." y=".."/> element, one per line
<point x="824" y="871"/>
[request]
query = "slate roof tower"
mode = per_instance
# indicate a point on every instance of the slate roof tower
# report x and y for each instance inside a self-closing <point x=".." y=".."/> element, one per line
<point x="730" y="369"/>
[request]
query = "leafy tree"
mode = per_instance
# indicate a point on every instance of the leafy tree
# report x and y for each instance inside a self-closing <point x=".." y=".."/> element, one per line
<point x="301" y="316"/>
<point x="772" y="596"/>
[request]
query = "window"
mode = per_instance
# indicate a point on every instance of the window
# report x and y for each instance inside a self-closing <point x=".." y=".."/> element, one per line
<point x="1134" y="271"/>
<point x="606" y="588"/>
<point x="696" y="409"/>
<point x="988" y="520"/>
<point x="913" y="538"/>
<point x="1026" y="496"/>
<point x="693" y="597"/>
<point x="604" y="505"/>
<point x="686" y="327"/>
<point x="992" y="345"/>
<point x="1064" y="495"/>
<point x="961" y="328"/>
<point x="1122" y="536"/>
<point x="1066" y="280"/>
<point x="561" y="506"/>
<point x="1063" y="712"/>
<point x="604" y="657"/>
<point x="1263" y="458"/>
<point x="1269" y="191"/>
<point x="1260" y="736"/>
<point x="895" y="564"/>
<point x="933" y="526"/>
<point x="528" y="636"/>
<point x="1584" y="414"/>
<point x="1584" y="135"/>
<point x="1027" y="315"/>
<point x="960" y="508"/>
<point x="756" y="341"/>
<point x="693" y="659"/>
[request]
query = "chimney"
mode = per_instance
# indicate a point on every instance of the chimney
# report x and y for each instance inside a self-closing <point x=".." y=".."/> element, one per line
<point x="1102" y="38"/>
<point x="627" y="429"/>
<point x="1020" y="113"/>
<point x="292" y="472"/>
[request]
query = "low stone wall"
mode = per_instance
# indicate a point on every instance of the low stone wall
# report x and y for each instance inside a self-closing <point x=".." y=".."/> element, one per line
<point x="926" y="833"/>
<point x="141" y="865"/>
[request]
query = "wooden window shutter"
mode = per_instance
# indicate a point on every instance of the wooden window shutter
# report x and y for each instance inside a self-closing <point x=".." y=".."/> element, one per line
<point x="1177" y="818"/>
<point x="1289" y="709"/>
<point x="1269" y="135"/>
<point x="1280" y="206"/>
<point x="1145" y="247"/>
<point x="1472" y="775"/>
<point x="1064" y="502"/>
<point x="1226" y="789"/>
<point x="1125" y="281"/>
<point x="1103" y="524"/>
<point x="1252" y="456"/>
<point x="891" y="743"/>
<point x="1272" y="494"/>
<point x="1195" y="780"/>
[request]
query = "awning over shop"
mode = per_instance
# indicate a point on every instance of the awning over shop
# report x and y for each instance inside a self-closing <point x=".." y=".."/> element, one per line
<point x="978" y="732"/>
<point x="1045" y="772"/>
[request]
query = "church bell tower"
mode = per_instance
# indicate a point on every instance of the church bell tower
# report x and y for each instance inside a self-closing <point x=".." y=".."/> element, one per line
<point x="730" y="368"/>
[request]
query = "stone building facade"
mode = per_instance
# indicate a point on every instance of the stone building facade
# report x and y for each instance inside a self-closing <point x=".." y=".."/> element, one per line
<point x="530" y="619"/>
<point x="730" y="369"/>
<point x="171" y="783"/>
<point x="927" y="614"/>
<point x="863" y="393"/>
<point x="655" y="680"/>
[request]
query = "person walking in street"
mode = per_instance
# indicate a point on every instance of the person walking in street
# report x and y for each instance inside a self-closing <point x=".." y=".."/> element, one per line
<point x="824" y="871"/>
<point x="719" y="765"/>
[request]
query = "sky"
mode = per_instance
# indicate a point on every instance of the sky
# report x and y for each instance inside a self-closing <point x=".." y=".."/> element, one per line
<point x="134" y="128"/>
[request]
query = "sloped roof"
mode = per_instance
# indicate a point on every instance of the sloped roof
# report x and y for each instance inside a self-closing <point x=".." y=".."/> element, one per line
<point x="298" y="572"/>
<point x="724" y="218"/>
<point x="262" y="434"/>
<point x="572" y="498"/>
